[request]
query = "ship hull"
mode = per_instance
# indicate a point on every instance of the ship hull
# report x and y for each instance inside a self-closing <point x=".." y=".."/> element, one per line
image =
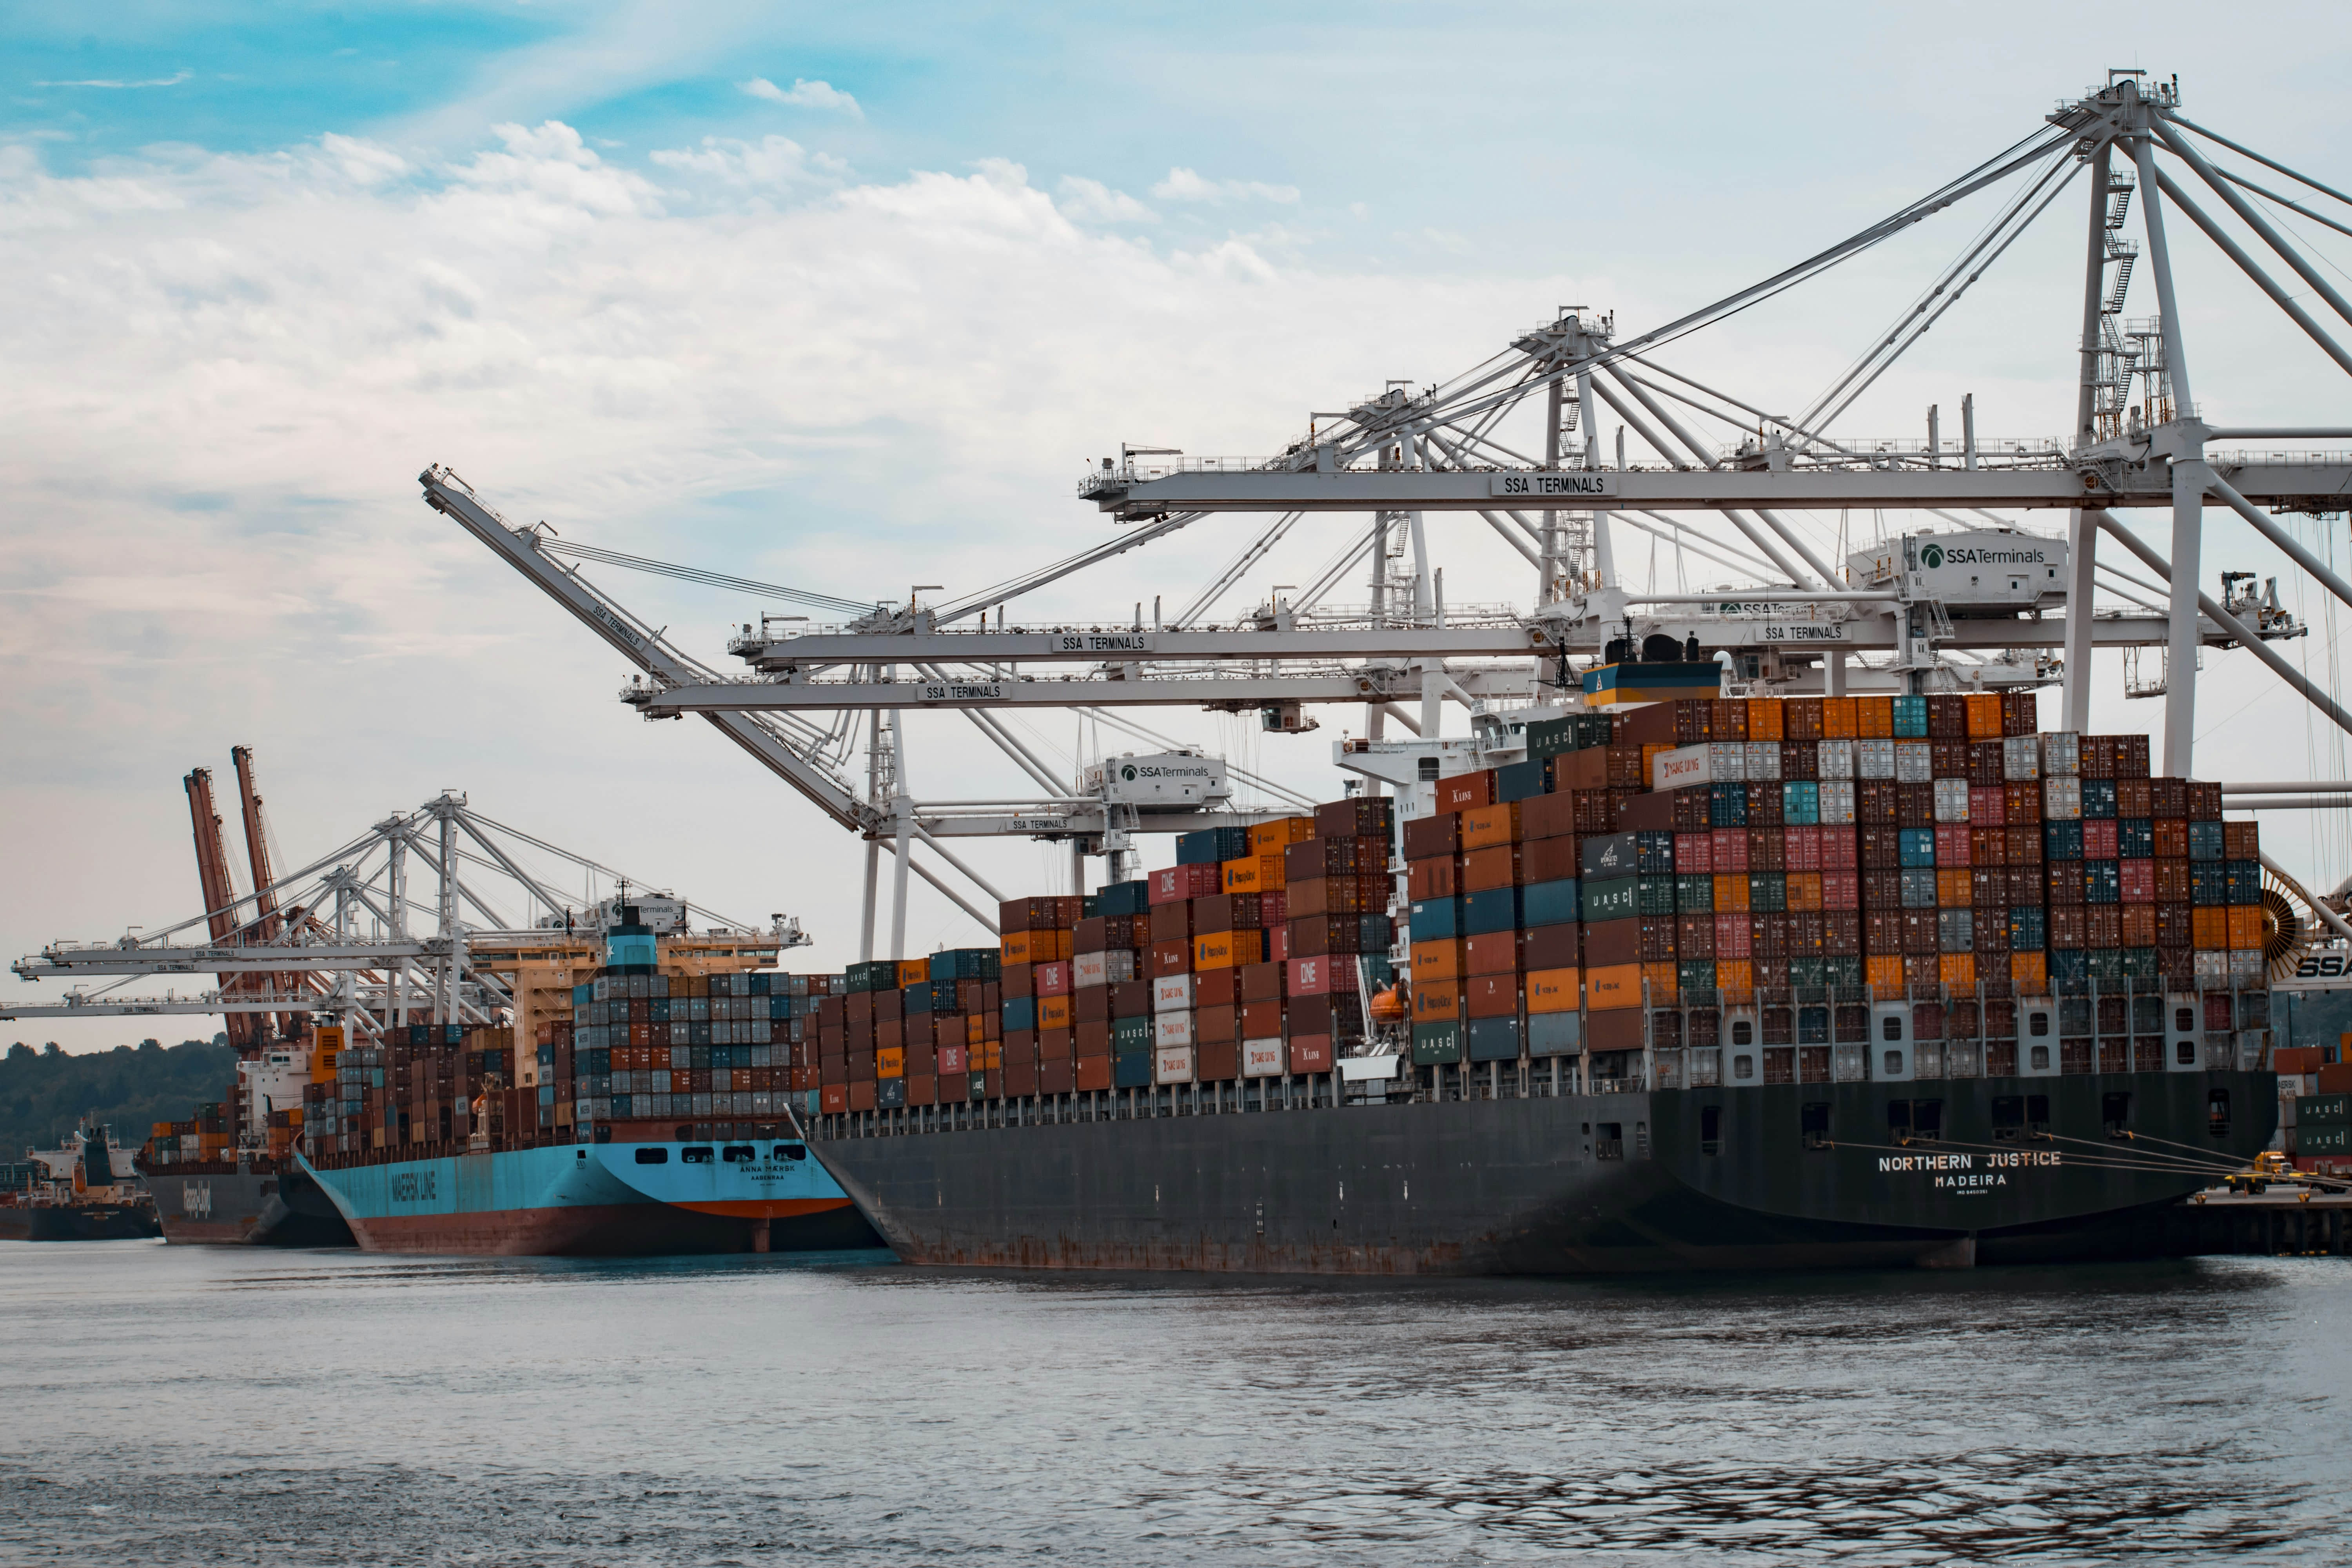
<point x="1528" y="1186"/>
<point x="69" y="1223"/>
<point x="235" y="1208"/>
<point x="594" y="1200"/>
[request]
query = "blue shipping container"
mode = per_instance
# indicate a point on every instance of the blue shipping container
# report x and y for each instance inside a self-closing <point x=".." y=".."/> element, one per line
<point x="1496" y="909"/>
<point x="1551" y="903"/>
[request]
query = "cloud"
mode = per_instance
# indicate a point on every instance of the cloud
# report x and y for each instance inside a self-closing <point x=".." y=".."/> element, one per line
<point x="797" y="375"/>
<point x="804" y="95"/>
<point x="1092" y="201"/>
<point x="1185" y="185"/>
<point x="173" y="81"/>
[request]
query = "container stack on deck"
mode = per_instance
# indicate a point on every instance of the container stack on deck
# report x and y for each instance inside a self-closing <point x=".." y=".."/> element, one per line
<point x="919" y="1032"/>
<point x="1729" y="853"/>
<point x="648" y="1053"/>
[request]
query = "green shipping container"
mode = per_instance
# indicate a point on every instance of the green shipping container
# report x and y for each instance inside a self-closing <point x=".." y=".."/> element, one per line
<point x="1654" y="895"/>
<point x="2323" y="1110"/>
<point x="1619" y="898"/>
<point x="2336" y="1140"/>
<point x="1436" y="1045"/>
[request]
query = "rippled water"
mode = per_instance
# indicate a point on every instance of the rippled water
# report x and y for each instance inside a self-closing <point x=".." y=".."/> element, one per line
<point x="170" y="1404"/>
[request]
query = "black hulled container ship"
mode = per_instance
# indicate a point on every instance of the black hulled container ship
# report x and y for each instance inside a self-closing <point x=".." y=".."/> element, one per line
<point x="1700" y="983"/>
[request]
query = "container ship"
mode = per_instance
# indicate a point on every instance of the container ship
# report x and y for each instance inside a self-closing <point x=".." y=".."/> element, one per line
<point x="228" y="1175"/>
<point x="1704" y="983"/>
<point x="85" y="1190"/>
<point x="592" y="1139"/>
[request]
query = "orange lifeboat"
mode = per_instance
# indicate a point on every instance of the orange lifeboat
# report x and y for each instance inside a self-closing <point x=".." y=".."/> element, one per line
<point x="1388" y="1007"/>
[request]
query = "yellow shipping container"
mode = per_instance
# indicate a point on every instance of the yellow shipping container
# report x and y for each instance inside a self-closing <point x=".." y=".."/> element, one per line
<point x="1242" y="876"/>
<point x="914" y="970"/>
<point x="1053" y="1012"/>
<point x="974" y="1029"/>
<point x="890" y="1061"/>
<point x="1764" y="719"/>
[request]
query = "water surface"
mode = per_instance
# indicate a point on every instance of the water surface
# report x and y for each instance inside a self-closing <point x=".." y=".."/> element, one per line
<point x="176" y="1404"/>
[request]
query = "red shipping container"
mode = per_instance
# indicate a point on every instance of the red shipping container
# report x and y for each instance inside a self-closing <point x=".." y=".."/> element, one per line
<point x="1768" y="849"/>
<point x="1056" y="1076"/>
<point x="1842" y="933"/>
<point x="1439" y="877"/>
<point x="1092" y="1075"/>
<point x="1693" y="854"/>
<point x="1951" y="845"/>
<point x="2138" y="879"/>
<point x="1218" y="1062"/>
<point x="1840" y="890"/>
<point x="2099" y="839"/>
<point x="2023" y="845"/>
<point x="1178" y="883"/>
<point x="1801" y="849"/>
<point x="1839" y="851"/>
<point x="1322" y="975"/>
<point x="1053" y="979"/>
<point x="1987" y="806"/>
<point x="1467" y="792"/>
<point x="1882" y="848"/>
<point x="1491" y="995"/>
<point x="1731" y="937"/>
<point x="1310" y="1053"/>
<point x="1695" y="936"/>
<point x="1731" y="850"/>
<point x="1170" y="958"/>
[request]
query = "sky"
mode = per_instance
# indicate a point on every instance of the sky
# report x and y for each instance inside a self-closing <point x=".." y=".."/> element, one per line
<point x="846" y="298"/>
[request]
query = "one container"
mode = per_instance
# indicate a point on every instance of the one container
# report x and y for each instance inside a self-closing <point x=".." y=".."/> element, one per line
<point x="2020" y="758"/>
<point x="2061" y="754"/>
<point x="1873" y="759"/>
<point x="1915" y="762"/>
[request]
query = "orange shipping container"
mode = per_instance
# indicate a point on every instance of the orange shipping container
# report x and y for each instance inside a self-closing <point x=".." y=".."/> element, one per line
<point x="1735" y="977"/>
<point x="1035" y="947"/>
<point x="1873" y="718"/>
<point x="890" y="1062"/>
<point x="1436" y="1002"/>
<point x="1805" y="891"/>
<point x="2208" y="929"/>
<point x="1731" y="893"/>
<point x="1242" y="876"/>
<point x="974" y="1029"/>
<point x="1228" y="950"/>
<point x="1274" y="838"/>
<point x="1555" y="991"/>
<point x="1958" y="970"/>
<point x="1765" y="715"/>
<point x="913" y="971"/>
<point x="1614" y="985"/>
<point x="1436" y="961"/>
<point x="2245" y="926"/>
<point x="1984" y="717"/>
<point x="1952" y="888"/>
<point x="1838" y="719"/>
<point x="1883" y="974"/>
<point x="1485" y="827"/>
<point x="2031" y="971"/>
<point x="1053" y="1012"/>
<point x="1661" y="978"/>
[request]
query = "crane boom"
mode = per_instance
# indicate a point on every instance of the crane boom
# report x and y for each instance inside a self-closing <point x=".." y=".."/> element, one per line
<point x="643" y="646"/>
<point x="219" y="890"/>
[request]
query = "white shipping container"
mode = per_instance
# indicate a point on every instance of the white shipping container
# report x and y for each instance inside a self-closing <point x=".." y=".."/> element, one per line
<point x="1263" y="1058"/>
<point x="1763" y="762"/>
<point x="2061" y="754"/>
<point x="1089" y="969"/>
<point x="1837" y="803"/>
<point x="1170" y="1030"/>
<point x="1915" y="762"/>
<point x="1951" y="800"/>
<point x="1119" y="966"/>
<point x="2246" y="967"/>
<point x="2020" y="758"/>
<point x="1836" y="759"/>
<point x="2061" y="800"/>
<point x="1172" y="1064"/>
<point x="1873" y="759"/>
<point x="1173" y="993"/>
<point x="2213" y="968"/>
